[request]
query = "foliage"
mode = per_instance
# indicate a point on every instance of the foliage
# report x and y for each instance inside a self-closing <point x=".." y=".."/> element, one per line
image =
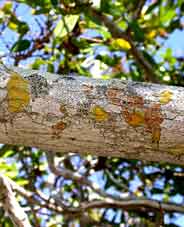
<point x="64" y="36"/>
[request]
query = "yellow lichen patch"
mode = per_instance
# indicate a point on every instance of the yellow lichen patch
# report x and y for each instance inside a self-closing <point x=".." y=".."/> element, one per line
<point x="99" y="113"/>
<point x="18" y="93"/>
<point x="135" y="119"/>
<point x="165" y="97"/>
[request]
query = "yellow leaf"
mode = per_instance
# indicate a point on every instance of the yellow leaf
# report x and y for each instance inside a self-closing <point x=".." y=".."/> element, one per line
<point x="95" y="214"/>
<point x="99" y="113"/>
<point x="12" y="25"/>
<point x="121" y="44"/>
<point x="166" y="97"/>
<point x="18" y="93"/>
<point x="151" y="34"/>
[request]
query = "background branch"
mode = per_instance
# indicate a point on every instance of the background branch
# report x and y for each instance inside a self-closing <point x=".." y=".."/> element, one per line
<point x="10" y="204"/>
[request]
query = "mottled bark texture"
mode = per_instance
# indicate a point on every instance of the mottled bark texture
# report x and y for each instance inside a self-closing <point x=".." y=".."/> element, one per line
<point x="70" y="113"/>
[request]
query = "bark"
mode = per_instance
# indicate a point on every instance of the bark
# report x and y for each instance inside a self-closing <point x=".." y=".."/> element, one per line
<point x="70" y="113"/>
<point x="10" y="204"/>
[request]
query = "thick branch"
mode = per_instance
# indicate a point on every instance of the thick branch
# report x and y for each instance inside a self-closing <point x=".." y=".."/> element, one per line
<point x="78" y="114"/>
<point x="11" y="206"/>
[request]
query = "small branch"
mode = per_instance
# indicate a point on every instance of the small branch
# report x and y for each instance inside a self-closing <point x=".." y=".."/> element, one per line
<point x="149" y="74"/>
<point x="67" y="174"/>
<point x="119" y="33"/>
<point x="135" y="204"/>
<point x="10" y="204"/>
<point x="118" y="183"/>
<point x="138" y="10"/>
<point x="128" y="203"/>
<point x="30" y="197"/>
<point x="114" y="30"/>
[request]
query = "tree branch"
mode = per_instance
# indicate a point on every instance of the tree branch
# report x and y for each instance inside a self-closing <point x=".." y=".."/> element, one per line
<point x="11" y="206"/>
<point x="105" y="118"/>
<point x="76" y="177"/>
<point x="139" y="204"/>
<point x="116" y="32"/>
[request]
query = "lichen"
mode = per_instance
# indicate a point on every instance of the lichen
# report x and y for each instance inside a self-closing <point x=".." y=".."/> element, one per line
<point x="165" y="97"/>
<point x="137" y="114"/>
<point x="18" y="93"/>
<point x="153" y="120"/>
<point x="99" y="114"/>
<point x="38" y="85"/>
<point x="57" y="129"/>
<point x="134" y="119"/>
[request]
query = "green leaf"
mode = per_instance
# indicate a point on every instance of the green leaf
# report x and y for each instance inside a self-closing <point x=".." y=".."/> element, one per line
<point x="65" y="25"/>
<point x="113" y="8"/>
<point x="37" y="63"/>
<point x="7" y="7"/>
<point x="108" y="60"/>
<point x="21" y="45"/>
<point x="8" y="153"/>
<point x="167" y="15"/>
<point x="23" y="28"/>
<point x="152" y="7"/>
<point x="138" y="32"/>
<point x="54" y="2"/>
<point x="105" y="5"/>
<point x="149" y="57"/>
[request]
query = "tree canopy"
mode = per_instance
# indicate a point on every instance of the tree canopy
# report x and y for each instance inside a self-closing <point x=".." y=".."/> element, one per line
<point x="102" y="39"/>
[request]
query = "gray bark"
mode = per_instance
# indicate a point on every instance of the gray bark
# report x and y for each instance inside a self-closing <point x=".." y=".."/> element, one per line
<point x="70" y="113"/>
<point x="10" y="204"/>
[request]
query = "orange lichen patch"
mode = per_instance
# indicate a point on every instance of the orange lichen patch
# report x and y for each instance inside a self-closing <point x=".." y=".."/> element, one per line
<point x="134" y="119"/>
<point x="166" y="97"/>
<point x="18" y="93"/>
<point x="133" y="112"/>
<point x="135" y="102"/>
<point x="99" y="113"/>
<point x="137" y="114"/>
<point x="138" y="101"/>
<point x="113" y="96"/>
<point x="111" y="93"/>
<point x="153" y="119"/>
<point x="58" y="128"/>
<point x="153" y="115"/>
